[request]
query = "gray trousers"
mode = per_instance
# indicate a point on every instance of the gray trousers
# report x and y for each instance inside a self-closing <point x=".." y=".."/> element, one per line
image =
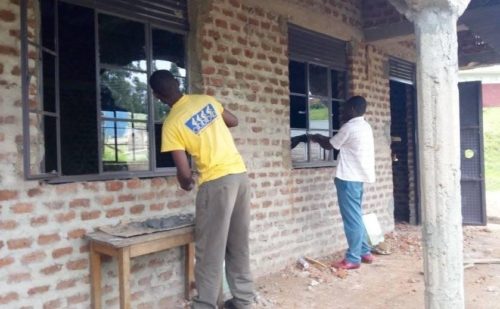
<point x="221" y="233"/>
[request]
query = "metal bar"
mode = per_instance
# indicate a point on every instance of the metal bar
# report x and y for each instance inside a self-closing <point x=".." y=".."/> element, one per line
<point x="151" y="110"/>
<point x="25" y="90"/>
<point x="100" y="137"/>
<point x="120" y="68"/>
<point x="57" y="92"/>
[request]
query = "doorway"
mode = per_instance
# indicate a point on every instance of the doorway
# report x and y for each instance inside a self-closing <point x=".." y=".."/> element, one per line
<point x="403" y="118"/>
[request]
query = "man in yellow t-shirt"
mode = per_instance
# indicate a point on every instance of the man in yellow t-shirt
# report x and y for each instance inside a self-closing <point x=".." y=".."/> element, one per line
<point x="198" y="125"/>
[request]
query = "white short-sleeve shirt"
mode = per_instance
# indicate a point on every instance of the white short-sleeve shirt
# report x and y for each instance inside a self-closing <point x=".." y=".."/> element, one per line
<point x="356" y="161"/>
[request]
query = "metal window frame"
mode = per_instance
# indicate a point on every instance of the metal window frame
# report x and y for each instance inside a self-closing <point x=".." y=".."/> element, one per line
<point x="309" y="163"/>
<point x="149" y="25"/>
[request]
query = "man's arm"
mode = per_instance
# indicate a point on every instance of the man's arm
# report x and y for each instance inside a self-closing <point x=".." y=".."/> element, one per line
<point x="184" y="175"/>
<point x="323" y="141"/>
<point x="229" y="118"/>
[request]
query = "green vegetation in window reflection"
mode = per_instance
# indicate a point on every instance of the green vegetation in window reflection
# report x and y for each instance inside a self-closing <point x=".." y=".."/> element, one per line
<point x="122" y="154"/>
<point x="318" y="111"/>
<point x="126" y="90"/>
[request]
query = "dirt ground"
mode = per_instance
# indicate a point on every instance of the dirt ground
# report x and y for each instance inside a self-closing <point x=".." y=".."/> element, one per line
<point x="393" y="281"/>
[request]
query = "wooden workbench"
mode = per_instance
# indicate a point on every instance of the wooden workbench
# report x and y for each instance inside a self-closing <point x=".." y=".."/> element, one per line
<point x="126" y="248"/>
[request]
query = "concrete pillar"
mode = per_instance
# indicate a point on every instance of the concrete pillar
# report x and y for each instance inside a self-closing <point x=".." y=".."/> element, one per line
<point x="439" y="147"/>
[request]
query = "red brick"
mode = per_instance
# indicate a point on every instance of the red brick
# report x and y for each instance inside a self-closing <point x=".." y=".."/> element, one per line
<point x="19" y="277"/>
<point x="33" y="257"/>
<point x="21" y="208"/>
<point x="157" y="206"/>
<point x="137" y="209"/>
<point x="8" y="224"/>
<point x="38" y="290"/>
<point x="19" y="243"/>
<point x="77" y="233"/>
<point x="134" y="183"/>
<point x="115" y="212"/>
<point x="8" y="50"/>
<point x="52" y="304"/>
<point x="90" y="215"/>
<point x="16" y="71"/>
<point x="6" y="15"/>
<point x="34" y="192"/>
<point x="51" y="269"/>
<point x="126" y="198"/>
<point x="79" y="202"/>
<point x="67" y="188"/>
<point x="48" y="239"/>
<point x="114" y="186"/>
<point x="78" y="298"/>
<point x="77" y="264"/>
<point x="8" y="195"/>
<point x="66" y="284"/>
<point x="66" y="216"/>
<point x="8" y="298"/>
<point x="37" y="221"/>
<point x="57" y="253"/>
<point x="6" y="261"/>
<point x="105" y="200"/>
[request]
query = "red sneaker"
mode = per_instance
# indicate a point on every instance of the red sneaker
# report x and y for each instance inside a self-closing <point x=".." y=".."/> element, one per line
<point x="367" y="258"/>
<point x="344" y="264"/>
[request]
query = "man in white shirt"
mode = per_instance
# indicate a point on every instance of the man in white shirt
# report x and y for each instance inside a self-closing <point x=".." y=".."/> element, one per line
<point x="356" y="165"/>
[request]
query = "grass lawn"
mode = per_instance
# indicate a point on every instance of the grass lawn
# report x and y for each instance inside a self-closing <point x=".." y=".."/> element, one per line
<point x="491" y="123"/>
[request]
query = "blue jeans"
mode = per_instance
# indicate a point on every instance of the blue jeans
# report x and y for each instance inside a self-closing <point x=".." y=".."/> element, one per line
<point x="350" y="196"/>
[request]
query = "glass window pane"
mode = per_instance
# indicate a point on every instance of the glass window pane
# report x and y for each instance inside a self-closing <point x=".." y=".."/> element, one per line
<point x="78" y="90"/>
<point x="335" y="115"/>
<point x="168" y="52"/>
<point x="49" y="82"/>
<point x="338" y="84"/>
<point x="47" y="10"/>
<point x="161" y="110"/>
<point x="298" y="112"/>
<point x="163" y="159"/>
<point x="124" y="94"/>
<point x="318" y="80"/>
<point x="122" y="42"/>
<point x="319" y="114"/>
<point x="125" y="146"/>
<point x="318" y="153"/>
<point x="297" y="76"/>
<point x="298" y="145"/>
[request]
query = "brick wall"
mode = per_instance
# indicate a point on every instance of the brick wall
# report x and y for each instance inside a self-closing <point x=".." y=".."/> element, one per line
<point x="242" y="58"/>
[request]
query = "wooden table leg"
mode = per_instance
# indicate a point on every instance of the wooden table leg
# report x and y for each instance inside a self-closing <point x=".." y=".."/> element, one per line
<point x="95" y="277"/>
<point x="189" y="269"/>
<point x="124" y="276"/>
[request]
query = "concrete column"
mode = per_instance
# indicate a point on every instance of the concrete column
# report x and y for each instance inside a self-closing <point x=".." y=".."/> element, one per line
<point x="439" y="147"/>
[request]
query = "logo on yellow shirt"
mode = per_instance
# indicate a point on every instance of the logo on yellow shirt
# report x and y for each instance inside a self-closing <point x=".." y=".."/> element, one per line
<point x="201" y="119"/>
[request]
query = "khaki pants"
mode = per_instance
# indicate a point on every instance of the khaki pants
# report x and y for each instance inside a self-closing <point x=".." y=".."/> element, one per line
<point x="221" y="233"/>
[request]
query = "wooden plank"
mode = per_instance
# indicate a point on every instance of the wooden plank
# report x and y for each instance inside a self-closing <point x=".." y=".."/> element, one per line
<point x="160" y="244"/>
<point x="119" y="242"/>
<point x="124" y="277"/>
<point x="95" y="277"/>
<point x="104" y="249"/>
<point x="189" y="269"/>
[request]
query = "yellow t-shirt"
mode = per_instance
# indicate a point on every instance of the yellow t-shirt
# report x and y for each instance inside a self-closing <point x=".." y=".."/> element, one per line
<point x="195" y="125"/>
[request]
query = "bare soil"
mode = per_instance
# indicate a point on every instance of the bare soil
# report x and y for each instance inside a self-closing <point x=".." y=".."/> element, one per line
<point x="392" y="281"/>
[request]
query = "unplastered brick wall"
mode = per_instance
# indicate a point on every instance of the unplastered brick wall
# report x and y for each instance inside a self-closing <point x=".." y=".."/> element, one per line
<point x="244" y="63"/>
<point x="242" y="52"/>
<point x="43" y="256"/>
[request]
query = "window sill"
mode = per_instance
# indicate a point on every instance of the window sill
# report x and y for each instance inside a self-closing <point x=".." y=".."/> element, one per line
<point x="112" y="176"/>
<point x="298" y="165"/>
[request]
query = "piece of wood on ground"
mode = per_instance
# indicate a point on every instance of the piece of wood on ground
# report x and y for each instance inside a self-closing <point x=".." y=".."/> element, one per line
<point x="315" y="262"/>
<point x="482" y="261"/>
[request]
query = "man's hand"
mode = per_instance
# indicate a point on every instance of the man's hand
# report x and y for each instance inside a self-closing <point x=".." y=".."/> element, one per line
<point x="323" y="141"/>
<point x="184" y="174"/>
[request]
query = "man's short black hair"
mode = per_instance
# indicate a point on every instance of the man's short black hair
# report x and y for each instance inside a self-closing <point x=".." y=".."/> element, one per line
<point x="163" y="82"/>
<point x="358" y="104"/>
